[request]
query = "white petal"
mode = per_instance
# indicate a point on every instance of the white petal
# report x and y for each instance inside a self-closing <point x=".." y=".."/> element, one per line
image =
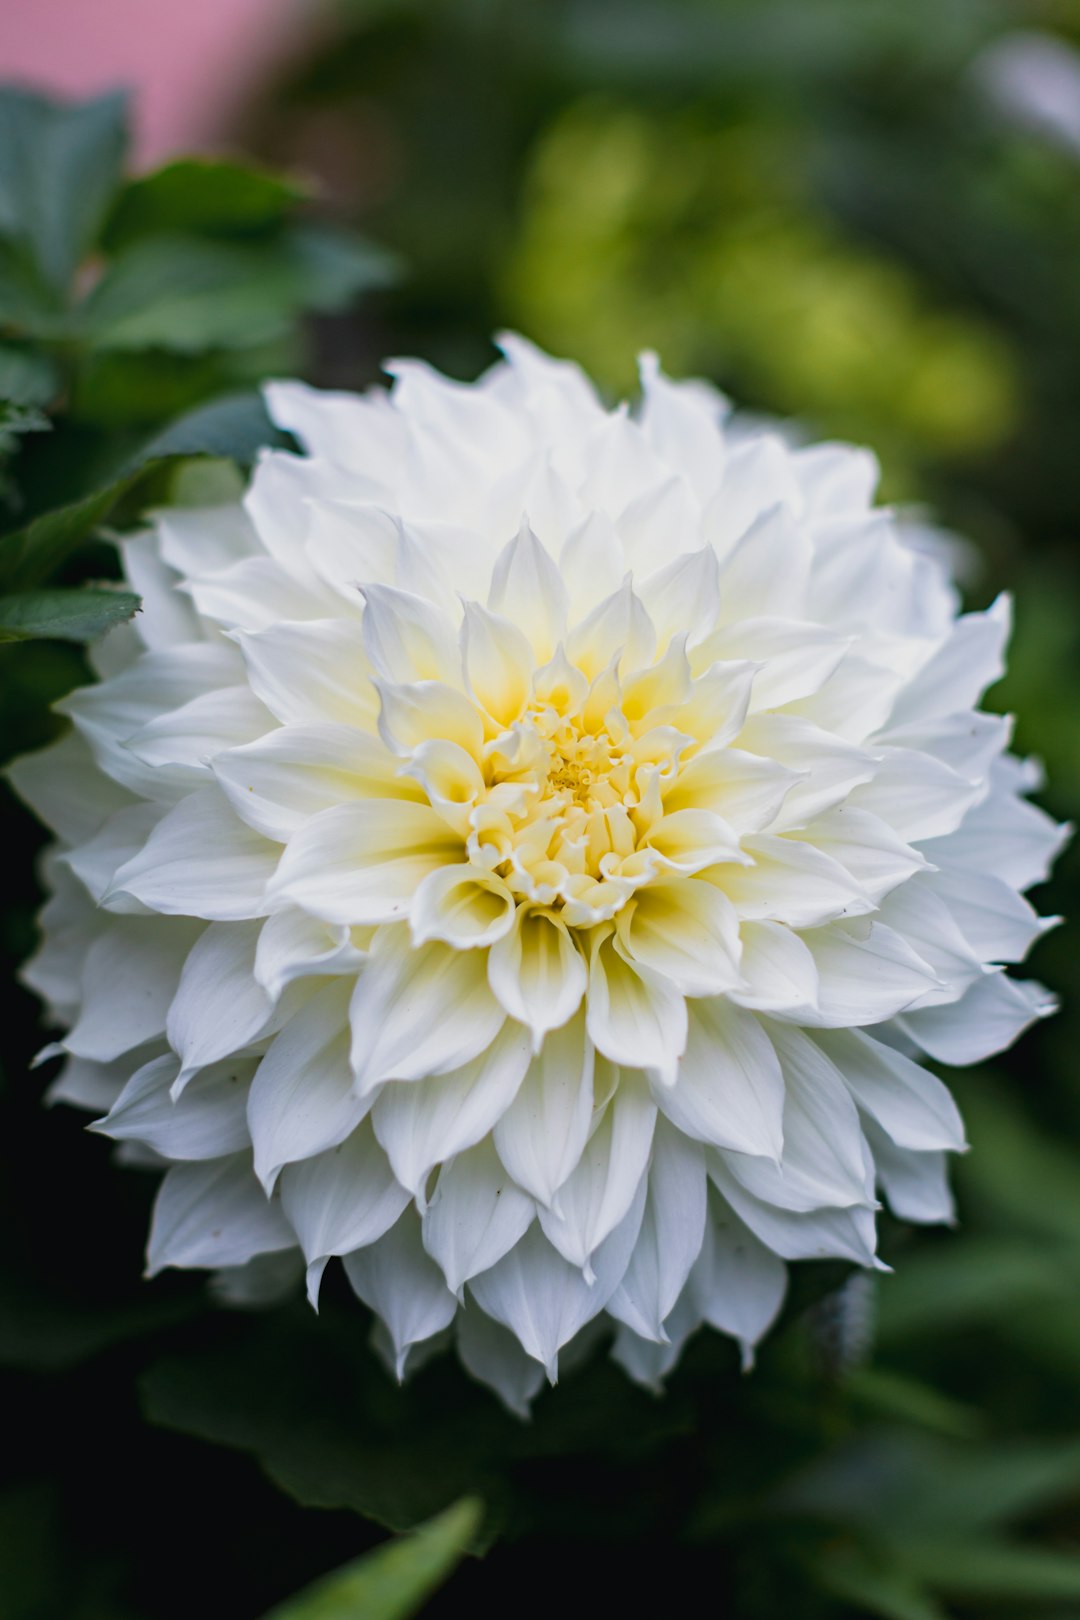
<point x="527" y="590"/>
<point x="201" y="861"/>
<point x="475" y="1216"/>
<point x="757" y="473"/>
<point x="83" y="1084"/>
<point x="166" y="617"/>
<point x="682" y="421"/>
<point x="779" y="974"/>
<point x="619" y="626"/>
<point x="537" y="971"/>
<point x="202" y="539"/>
<point x="794" y="659"/>
<point x="648" y="1361"/>
<point x="915" y="1184"/>
<point x="403" y="1286"/>
<point x="213" y="1213"/>
<point x="824" y="1159"/>
<point x="361" y="863"/>
<point x="591" y="564"/>
<point x="257" y="593"/>
<point x="597" y="1194"/>
<point x="293" y="945"/>
<point x="498" y="663"/>
<point x="1005" y="835"/>
<point x="767" y="572"/>
<point x="911" y="1105"/>
<point x="969" y="660"/>
<point x="116" y="842"/>
<point x="738" y="1284"/>
<point x="302" y="1099"/>
<point x="420" y="1123"/>
<point x="406" y="638"/>
<point x="683" y="597"/>
<point x="987" y="1019"/>
<point x="65" y="788"/>
<point x="219" y="1006"/>
<point x="189" y="737"/>
<point x="686" y="930"/>
<point x="998" y="924"/>
<point x="311" y="672"/>
<point x="209" y="1120"/>
<point x="835" y="478"/>
<point x="424" y="711"/>
<point x="419" y="1011"/>
<point x="746" y="790"/>
<point x="635" y="1017"/>
<point x="866" y="973"/>
<point x="543" y="1299"/>
<point x="340" y="1200"/>
<point x="916" y="795"/>
<point x="670" y="1239"/>
<point x="729" y="1090"/>
<point x="830" y="768"/>
<point x="541" y="1136"/>
<point x="462" y="905"/>
<point x="790" y="882"/>
<point x="866" y="846"/>
<point x="818" y="1234"/>
<point x="493" y="1355"/>
<point x="128" y="979"/>
<point x="278" y="782"/>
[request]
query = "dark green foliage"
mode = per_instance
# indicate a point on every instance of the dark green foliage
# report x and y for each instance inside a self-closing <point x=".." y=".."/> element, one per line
<point x="122" y="304"/>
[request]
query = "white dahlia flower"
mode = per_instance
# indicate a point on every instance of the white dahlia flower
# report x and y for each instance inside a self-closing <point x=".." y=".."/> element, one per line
<point x="526" y="850"/>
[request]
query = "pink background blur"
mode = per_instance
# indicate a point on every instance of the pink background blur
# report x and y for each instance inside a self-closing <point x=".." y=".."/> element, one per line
<point x="191" y="63"/>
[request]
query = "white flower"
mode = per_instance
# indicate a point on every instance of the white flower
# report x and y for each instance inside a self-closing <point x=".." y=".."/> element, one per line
<point x="525" y="850"/>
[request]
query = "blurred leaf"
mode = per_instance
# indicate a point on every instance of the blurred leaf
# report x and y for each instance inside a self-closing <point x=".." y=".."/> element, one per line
<point x="206" y="196"/>
<point x="307" y="1399"/>
<point x="901" y="1485"/>
<point x="874" y="1588"/>
<point x="233" y="427"/>
<point x="391" y="1582"/>
<point x="1022" y="1176"/>
<point x="189" y="294"/>
<point x="41" y="1331"/>
<point x="993" y="1570"/>
<point x="79" y="615"/>
<point x="25" y="304"/>
<point x="59" y="166"/>
<point x="969" y="1281"/>
<point x="890" y="1394"/>
<point x="26" y="377"/>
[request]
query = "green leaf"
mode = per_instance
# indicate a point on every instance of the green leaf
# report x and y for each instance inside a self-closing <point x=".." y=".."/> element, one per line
<point x="309" y="1401"/>
<point x="392" y="1582"/>
<point x="188" y="294"/>
<point x="26" y="377"/>
<point x="1020" y="1175"/>
<point x="204" y="196"/>
<point x="59" y="167"/>
<point x="905" y="1484"/>
<point x="992" y="1569"/>
<point x="891" y="1394"/>
<point x="42" y="1331"/>
<point x="234" y="428"/>
<point x="874" y="1588"/>
<point x="969" y="1282"/>
<point x="81" y="615"/>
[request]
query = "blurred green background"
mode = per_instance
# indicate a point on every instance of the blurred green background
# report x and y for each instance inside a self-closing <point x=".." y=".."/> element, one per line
<point x="859" y="213"/>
